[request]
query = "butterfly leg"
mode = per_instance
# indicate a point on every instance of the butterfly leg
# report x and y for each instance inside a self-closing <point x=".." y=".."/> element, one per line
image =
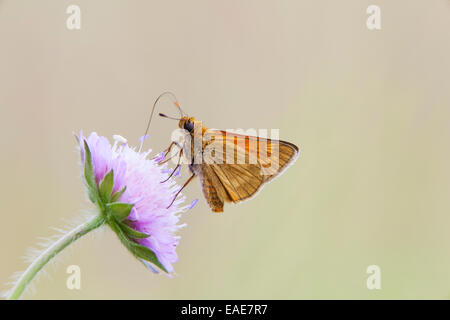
<point x="166" y="151"/>
<point x="184" y="185"/>
<point x="178" y="165"/>
<point x="166" y="160"/>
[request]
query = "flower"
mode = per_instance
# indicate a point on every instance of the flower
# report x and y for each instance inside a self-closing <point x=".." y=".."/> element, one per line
<point x="127" y="188"/>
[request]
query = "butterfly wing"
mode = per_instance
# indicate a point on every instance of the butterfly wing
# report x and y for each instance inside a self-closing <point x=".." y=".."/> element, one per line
<point x="213" y="190"/>
<point x="242" y="164"/>
<point x="239" y="180"/>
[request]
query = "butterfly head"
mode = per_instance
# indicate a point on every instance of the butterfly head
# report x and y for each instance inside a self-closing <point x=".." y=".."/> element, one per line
<point x="187" y="123"/>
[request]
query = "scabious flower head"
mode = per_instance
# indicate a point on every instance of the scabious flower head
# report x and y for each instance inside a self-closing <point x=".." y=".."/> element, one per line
<point x="127" y="187"/>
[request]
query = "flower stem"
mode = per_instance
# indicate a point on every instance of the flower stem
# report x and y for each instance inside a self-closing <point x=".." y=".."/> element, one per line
<point x="51" y="252"/>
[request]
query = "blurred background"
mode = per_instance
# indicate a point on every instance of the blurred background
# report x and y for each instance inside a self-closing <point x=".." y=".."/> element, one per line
<point x="369" y="110"/>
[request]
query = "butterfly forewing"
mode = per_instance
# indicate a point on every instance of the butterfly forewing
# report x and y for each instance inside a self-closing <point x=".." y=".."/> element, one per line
<point x="241" y="164"/>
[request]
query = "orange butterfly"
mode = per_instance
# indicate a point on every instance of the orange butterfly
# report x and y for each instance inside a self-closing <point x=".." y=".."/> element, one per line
<point x="231" y="167"/>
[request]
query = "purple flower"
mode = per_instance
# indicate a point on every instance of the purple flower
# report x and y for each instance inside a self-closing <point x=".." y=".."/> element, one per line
<point x="140" y="178"/>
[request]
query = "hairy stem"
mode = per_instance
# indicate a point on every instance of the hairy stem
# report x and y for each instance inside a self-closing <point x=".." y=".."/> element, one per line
<point x="51" y="252"/>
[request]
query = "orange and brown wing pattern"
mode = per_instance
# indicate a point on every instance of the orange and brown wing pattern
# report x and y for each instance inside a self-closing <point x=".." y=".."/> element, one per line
<point x="213" y="190"/>
<point x="242" y="164"/>
<point x="241" y="181"/>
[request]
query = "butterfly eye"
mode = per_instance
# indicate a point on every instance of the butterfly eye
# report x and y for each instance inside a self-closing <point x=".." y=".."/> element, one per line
<point x="189" y="126"/>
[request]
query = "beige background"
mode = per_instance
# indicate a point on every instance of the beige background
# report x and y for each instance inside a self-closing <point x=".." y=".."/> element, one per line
<point x="369" y="109"/>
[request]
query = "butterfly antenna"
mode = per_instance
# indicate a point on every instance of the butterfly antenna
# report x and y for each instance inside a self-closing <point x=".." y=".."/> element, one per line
<point x="165" y="116"/>
<point x="175" y="102"/>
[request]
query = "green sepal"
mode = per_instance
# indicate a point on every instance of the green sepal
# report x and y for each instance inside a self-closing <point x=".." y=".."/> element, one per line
<point x="106" y="186"/>
<point x="132" y="233"/>
<point x="89" y="174"/>
<point x="138" y="250"/>
<point x="116" y="196"/>
<point x="119" y="210"/>
<point x="145" y="253"/>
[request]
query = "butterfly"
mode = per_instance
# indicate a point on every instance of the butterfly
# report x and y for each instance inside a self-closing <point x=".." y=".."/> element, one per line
<point x="231" y="167"/>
